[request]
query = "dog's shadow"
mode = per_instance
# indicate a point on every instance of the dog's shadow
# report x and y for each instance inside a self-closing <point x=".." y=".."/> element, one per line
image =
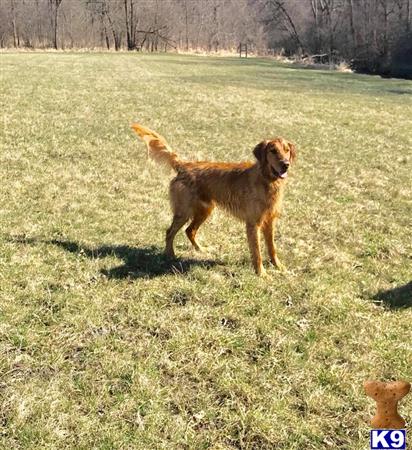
<point x="400" y="297"/>
<point x="138" y="262"/>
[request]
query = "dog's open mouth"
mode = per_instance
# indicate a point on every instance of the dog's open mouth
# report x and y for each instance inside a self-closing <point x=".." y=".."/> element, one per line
<point x="277" y="174"/>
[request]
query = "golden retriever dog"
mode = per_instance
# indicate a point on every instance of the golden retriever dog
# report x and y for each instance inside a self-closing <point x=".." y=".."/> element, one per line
<point x="252" y="192"/>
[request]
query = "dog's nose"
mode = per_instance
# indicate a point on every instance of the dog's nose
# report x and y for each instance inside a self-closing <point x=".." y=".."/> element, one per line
<point x="286" y="164"/>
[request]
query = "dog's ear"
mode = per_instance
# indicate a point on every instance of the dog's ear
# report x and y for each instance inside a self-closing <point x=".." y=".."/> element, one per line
<point x="292" y="149"/>
<point x="260" y="151"/>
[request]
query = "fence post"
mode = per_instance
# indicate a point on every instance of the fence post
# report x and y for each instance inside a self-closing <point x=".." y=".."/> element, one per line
<point x="241" y="48"/>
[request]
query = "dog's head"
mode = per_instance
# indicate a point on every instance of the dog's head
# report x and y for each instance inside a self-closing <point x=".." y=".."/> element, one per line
<point x="275" y="157"/>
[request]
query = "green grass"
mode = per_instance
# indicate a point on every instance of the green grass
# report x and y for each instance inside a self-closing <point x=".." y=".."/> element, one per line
<point x="104" y="346"/>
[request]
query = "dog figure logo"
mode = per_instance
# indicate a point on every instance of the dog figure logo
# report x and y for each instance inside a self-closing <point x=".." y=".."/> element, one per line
<point x="389" y="427"/>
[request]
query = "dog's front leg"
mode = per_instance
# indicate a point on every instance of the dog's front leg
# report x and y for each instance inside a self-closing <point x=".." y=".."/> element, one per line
<point x="252" y="231"/>
<point x="268" y="229"/>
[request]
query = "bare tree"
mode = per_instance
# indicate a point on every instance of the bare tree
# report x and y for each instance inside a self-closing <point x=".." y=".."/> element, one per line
<point x="186" y="25"/>
<point x="131" y="24"/>
<point x="370" y="32"/>
<point x="14" y="24"/>
<point x="352" y="23"/>
<point x="54" y="14"/>
<point x="280" y="14"/>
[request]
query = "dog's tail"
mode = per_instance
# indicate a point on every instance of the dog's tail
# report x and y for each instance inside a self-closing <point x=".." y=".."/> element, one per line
<point x="157" y="147"/>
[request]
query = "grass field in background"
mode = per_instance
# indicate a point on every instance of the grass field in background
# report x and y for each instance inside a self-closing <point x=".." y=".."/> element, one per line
<point x="104" y="345"/>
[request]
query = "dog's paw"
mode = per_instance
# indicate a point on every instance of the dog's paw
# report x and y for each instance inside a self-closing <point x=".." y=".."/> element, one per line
<point x="261" y="272"/>
<point x="278" y="265"/>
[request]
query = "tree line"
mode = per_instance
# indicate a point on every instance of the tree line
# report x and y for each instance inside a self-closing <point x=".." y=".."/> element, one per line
<point x="374" y="35"/>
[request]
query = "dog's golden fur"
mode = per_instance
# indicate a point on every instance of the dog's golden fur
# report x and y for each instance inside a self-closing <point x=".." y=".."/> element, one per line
<point x="252" y="192"/>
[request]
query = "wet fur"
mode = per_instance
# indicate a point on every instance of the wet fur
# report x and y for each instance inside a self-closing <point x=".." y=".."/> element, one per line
<point x="249" y="191"/>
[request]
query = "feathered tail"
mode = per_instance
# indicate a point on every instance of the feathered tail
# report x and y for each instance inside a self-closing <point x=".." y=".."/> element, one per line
<point x="157" y="147"/>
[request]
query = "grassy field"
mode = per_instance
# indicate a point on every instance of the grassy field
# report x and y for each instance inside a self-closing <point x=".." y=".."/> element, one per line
<point x="105" y="345"/>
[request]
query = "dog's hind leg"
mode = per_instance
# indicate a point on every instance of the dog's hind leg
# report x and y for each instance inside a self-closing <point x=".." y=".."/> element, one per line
<point x="202" y="212"/>
<point x="181" y="202"/>
<point x="178" y="222"/>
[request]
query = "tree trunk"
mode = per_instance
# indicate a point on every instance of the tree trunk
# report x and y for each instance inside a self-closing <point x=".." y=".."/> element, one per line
<point x="385" y="44"/>
<point x="331" y="38"/>
<point x="315" y="12"/>
<point x="55" y="17"/>
<point x="39" y="21"/>
<point x="116" y="37"/>
<point x="55" y="28"/>
<point x="132" y="41"/>
<point x="199" y="31"/>
<point x="13" y="22"/>
<point x="106" y="36"/>
<point x="352" y="25"/>
<point x="186" y="26"/>
<point x="153" y="37"/>
<point x="129" y="43"/>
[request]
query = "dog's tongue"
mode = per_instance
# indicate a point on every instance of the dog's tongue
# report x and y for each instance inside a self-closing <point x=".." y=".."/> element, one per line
<point x="283" y="175"/>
